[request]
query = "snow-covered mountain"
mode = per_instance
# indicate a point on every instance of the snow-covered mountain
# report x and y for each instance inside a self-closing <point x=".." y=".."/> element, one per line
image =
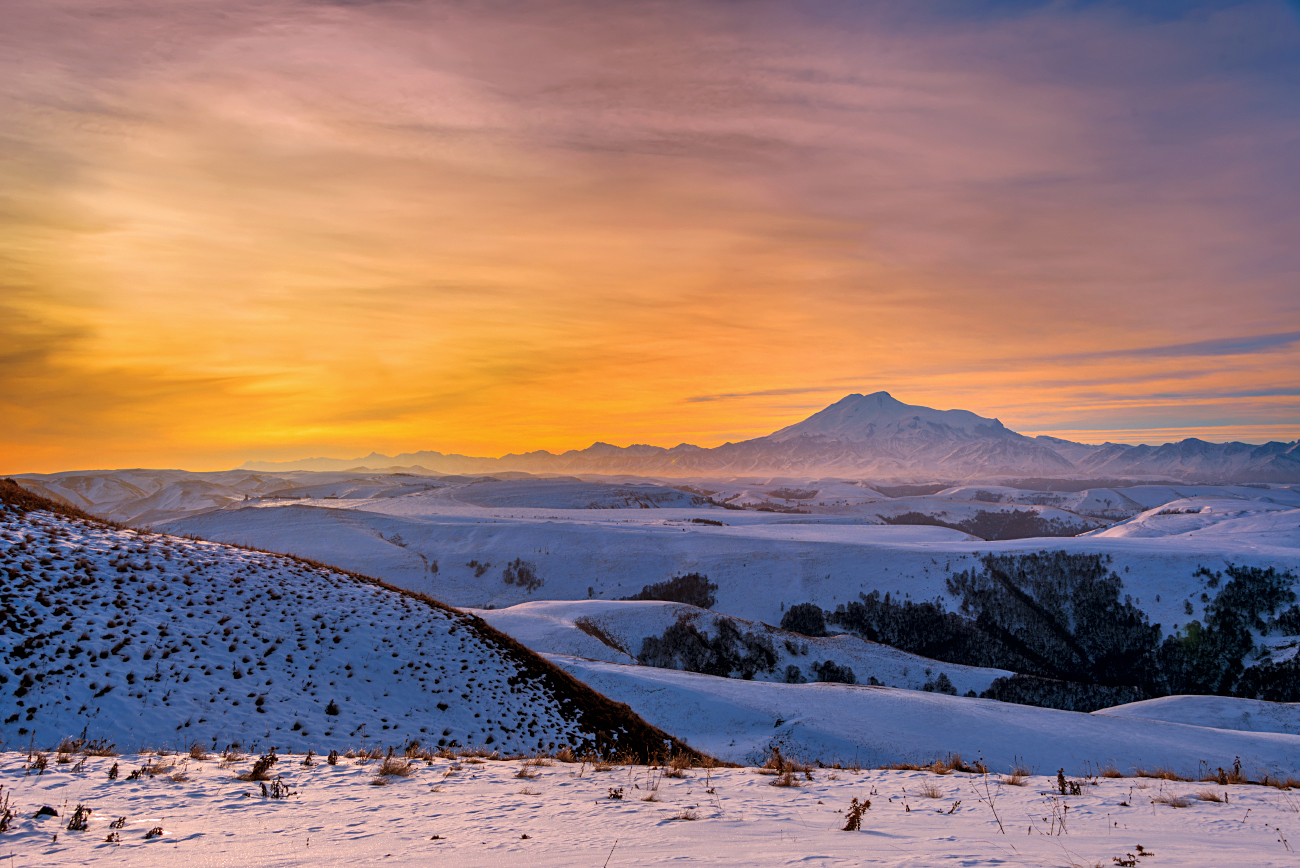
<point x="149" y="640"/>
<point x="877" y="436"/>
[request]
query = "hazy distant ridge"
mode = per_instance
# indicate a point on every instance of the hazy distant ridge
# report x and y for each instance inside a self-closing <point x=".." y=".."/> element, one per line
<point x="878" y="436"/>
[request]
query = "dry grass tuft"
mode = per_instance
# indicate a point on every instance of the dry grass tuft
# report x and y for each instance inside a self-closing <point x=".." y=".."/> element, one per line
<point x="527" y="773"/>
<point x="651" y="796"/>
<point x="1015" y="779"/>
<point x="539" y="761"/>
<point x="1111" y="772"/>
<point x="930" y="790"/>
<point x="396" y="767"/>
<point x="1160" y="773"/>
<point x="197" y="752"/>
<point x="687" y="814"/>
<point x="677" y="766"/>
<point x="954" y="763"/>
<point x="1209" y="796"/>
<point x="529" y="791"/>
<point x="786" y="780"/>
<point x="1171" y="800"/>
<point x="566" y="755"/>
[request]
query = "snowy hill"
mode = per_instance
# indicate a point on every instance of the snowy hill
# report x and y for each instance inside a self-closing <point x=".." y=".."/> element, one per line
<point x="760" y="560"/>
<point x="1243" y="522"/>
<point x="616" y="632"/>
<point x="1219" y="712"/>
<point x="144" y="639"/>
<point x="741" y="720"/>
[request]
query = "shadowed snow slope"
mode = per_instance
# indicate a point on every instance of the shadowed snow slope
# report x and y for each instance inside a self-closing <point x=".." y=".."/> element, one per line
<point x="146" y="639"/>
<point x="740" y="720"/>
<point x="615" y="632"/>
<point x="1221" y="712"/>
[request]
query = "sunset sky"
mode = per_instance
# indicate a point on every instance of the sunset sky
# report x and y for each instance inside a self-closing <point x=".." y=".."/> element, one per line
<point x="270" y="230"/>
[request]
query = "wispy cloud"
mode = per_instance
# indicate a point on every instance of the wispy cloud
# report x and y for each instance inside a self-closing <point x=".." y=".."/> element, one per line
<point x="1239" y="346"/>
<point x="762" y="393"/>
<point x="487" y="227"/>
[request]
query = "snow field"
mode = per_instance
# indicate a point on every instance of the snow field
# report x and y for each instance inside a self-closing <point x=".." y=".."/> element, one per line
<point x="468" y="813"/>
<point x="1221" y="712"/>
<point x="760" y="561"/>
<point x="740" y="721"/>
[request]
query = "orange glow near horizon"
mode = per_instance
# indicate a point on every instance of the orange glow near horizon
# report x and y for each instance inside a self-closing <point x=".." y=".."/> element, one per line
<point x="303" y="229"/>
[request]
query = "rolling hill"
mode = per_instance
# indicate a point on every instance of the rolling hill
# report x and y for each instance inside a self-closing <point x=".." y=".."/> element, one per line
<point x="149" y="640"/>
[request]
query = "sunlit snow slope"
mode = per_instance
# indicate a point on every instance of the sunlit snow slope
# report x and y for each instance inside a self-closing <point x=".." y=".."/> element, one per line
<point x="146" y="639"/>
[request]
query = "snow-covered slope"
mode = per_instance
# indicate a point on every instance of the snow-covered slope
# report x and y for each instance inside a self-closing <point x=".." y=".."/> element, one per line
<point x="740" y="721"/>
<point x="614" y="632"/>
<point x="760" y="561"/>
<point x="1220" y="712"/>
<point x="146" y="639"/>
<point x="1245" y="523"/>
<point x="881" y="416"/>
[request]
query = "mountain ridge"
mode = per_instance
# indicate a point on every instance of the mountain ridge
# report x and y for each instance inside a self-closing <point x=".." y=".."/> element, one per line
<point x="880" y="437"/>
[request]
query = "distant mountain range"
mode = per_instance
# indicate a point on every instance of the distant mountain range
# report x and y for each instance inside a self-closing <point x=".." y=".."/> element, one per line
<point x="877" y="437"/>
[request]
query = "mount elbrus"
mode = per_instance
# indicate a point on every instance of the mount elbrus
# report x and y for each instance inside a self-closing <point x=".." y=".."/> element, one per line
<point x="878" y="436"/>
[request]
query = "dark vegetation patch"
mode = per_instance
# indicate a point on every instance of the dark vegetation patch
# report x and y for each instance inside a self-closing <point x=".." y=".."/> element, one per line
<point x="807" y="619"/>
<point x="597" y="632"/>
<point x="997" y="525"/>
<point x="1066" y="695"/>
<point x="830" y="671"/>
<point x="793" y="493"/>
<point x="693" y="589"/>
<point x="523" y="574"/>
<point x="728" y="653"/>
<point x="923" y="490"/>
<point x="1062" y="621"/>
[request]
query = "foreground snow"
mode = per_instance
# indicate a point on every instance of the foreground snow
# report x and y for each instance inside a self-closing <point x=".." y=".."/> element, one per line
<point x="480" y="813"/>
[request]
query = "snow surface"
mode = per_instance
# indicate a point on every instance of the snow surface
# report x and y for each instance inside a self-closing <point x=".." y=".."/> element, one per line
<point x="739" y="721"/>
<point x="1242" y="522"/>
<point x="762" y="562"/>
<point x="1220" y="712"/>
<point x="481" y="814"/>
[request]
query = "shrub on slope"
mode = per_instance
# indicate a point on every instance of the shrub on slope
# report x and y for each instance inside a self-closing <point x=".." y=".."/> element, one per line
<point x="149" y="639"/>
<point x="692" y="589"/>
<point x="996" y="525"/>
<point x="1062" y="621"/>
